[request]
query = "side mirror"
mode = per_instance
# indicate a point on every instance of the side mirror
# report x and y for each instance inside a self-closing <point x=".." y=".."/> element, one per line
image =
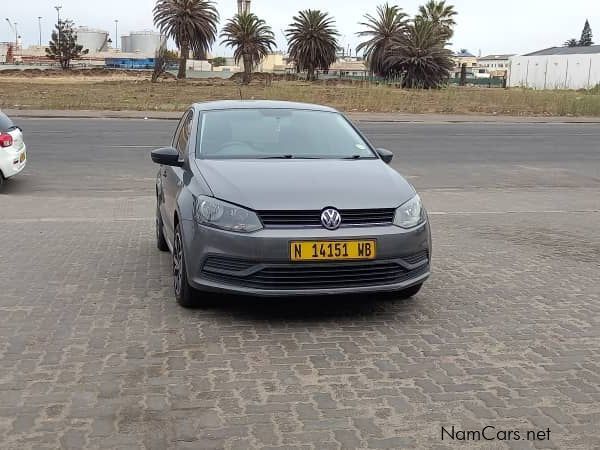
<point x="385" y="155"/>
<point x="167" y="156"/>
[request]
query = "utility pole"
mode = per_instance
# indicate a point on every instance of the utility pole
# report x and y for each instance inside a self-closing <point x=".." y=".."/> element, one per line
<point x="40" y="28"/>
<point x="117" y="34"/>
<point x="58" y="8"/>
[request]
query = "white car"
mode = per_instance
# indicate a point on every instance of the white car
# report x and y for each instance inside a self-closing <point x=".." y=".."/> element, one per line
<point x="13" y="153"/>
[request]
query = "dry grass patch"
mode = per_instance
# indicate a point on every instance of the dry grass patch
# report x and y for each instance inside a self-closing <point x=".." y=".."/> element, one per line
<point x="131" y="94"/>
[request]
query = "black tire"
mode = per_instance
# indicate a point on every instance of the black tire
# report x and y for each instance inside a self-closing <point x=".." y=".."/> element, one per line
<point x="409" y="292"/>
<point x="2" y="181"/>
<point x="161" y="241"/>
<point x="184" y="293"/>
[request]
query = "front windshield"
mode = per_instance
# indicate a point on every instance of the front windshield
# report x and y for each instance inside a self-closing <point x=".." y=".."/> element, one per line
<point x="278" y="133"/>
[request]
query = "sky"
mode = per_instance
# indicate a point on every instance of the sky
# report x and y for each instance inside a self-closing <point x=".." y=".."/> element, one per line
<point x="483" y="26"/>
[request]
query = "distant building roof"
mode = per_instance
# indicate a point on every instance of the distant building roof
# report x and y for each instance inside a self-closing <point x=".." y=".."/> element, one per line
<point x="494" y="57"/>
<point x="592" y="49"/>
<point x="348" y="66"/>
<point x="464" y="54"/>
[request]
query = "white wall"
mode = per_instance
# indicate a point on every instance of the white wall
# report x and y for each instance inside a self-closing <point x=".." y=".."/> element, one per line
<point x="555" y="71"/>
<point x="3" y="52"/>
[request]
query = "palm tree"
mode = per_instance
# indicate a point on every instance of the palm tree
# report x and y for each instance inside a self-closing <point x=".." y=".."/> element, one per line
<point x="419" y="56"/>
<point x="312" y="40"/>
<point x="251" y="38"/>
<point x="191" y="23"/>
<point x="440" y="14"/>
<point x="571" y="43"/>
<point x="390" y="21"/>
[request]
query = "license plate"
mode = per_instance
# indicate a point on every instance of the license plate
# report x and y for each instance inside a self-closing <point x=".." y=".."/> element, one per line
<point x="22" y="158"/>
<point x="333" y="250"/>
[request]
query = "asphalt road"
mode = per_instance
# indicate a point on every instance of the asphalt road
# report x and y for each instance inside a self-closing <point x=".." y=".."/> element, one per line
<point x="435" y="156"/>
<point x="94" y="353"/>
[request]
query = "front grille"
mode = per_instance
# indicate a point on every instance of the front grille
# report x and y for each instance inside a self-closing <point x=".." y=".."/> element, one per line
<point x="312" y="218"/>
<point x="219" y="264"/>
<point x="416" y="258"/>
<point x="324" y="275"/>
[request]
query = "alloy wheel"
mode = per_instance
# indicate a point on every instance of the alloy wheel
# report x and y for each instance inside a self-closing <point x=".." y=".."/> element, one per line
<point x="178" y="264"/>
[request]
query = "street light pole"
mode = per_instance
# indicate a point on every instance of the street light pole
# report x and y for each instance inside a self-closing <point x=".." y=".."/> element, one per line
<point x="58" y="8"/>
<point x="116" y="34"/>
<point x="40" y="28"/>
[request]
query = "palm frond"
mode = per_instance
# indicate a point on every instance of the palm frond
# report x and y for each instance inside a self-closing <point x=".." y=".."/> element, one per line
<point x="439" y="13"/>
<point x="312" y="39"/>
<point x="248" y="36"/>
<point x="419" y="56"/>
<point x="188" y="22"/>
<point x="389" y="22"/>
<point x="251" y="39"/>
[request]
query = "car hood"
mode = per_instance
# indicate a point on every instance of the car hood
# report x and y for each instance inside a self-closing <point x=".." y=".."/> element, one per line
<point x="306" y="184"/>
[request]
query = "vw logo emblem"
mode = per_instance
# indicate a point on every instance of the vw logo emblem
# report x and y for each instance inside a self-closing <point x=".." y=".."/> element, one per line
<point x="331" y="218"/>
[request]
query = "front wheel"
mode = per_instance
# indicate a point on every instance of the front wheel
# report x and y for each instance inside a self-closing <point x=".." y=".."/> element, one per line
<point x="184" y="293"/>
<point x="410" y="292"/>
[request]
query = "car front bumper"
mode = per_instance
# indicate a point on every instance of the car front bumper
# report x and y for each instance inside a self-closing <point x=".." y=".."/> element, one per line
<point x="258" y="264"/>
<point x="10" y="161"/>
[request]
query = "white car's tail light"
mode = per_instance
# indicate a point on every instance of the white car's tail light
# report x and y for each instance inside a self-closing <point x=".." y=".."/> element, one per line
<point x="6" y="140"/>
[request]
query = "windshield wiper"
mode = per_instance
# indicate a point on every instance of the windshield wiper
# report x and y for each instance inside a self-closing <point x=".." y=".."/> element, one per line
<point x="358" y="157"/>
<point x="289" y="157"/>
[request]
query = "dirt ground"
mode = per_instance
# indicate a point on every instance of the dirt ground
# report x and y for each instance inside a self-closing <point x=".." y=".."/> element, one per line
<point x="104" y="89"/>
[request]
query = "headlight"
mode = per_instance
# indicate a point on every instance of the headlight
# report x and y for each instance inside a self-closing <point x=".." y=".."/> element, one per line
<point x="410" y="214"/>
<point x="216" y="213"/>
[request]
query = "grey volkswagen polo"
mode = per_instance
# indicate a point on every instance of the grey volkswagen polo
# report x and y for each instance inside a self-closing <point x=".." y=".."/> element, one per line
<point x="283" y="199"/>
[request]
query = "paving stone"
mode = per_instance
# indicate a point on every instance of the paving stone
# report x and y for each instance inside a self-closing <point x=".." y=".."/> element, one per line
<point x="348" y="439"/>
<point x="95" y="353"/>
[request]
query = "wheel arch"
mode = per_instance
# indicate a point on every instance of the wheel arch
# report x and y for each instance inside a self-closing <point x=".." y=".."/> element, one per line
<point x="175" y="219"/>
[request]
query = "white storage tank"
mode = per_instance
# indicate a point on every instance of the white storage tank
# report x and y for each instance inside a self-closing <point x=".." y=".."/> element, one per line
<point x="92" y="39"/>
<point x="125" y="44"/>
<point x="144" y="42"/>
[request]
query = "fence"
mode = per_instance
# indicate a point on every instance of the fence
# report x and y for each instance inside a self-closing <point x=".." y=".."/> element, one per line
<point x="492" y="82"/>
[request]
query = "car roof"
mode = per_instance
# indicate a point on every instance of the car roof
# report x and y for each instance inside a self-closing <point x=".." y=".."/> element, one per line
<point x="260" y="104"/>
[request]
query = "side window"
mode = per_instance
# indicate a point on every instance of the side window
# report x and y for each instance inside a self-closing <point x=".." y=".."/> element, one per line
<point x="184" y="132"/>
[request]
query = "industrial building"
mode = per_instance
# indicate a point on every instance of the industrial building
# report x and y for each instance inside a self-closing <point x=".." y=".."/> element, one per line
<point x="137" y="52"/>
<point x="124" y="62"/>
<point x="6" y="52"/>
<point x="557" y="68"/>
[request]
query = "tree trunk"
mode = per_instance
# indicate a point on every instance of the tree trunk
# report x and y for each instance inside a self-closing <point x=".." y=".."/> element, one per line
<point x="247" y="69"/>
<point x="61" y="59"/>
<point x="185" y="54"/>
<point x="463" y="75"/>
<point x="311" y="73"/>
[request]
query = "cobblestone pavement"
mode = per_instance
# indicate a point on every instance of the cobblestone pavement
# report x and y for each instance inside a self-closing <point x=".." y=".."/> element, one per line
<point x="94" y="352"/>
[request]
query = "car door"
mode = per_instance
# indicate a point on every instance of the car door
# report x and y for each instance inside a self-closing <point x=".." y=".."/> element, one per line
<point x="172" y="177"/>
